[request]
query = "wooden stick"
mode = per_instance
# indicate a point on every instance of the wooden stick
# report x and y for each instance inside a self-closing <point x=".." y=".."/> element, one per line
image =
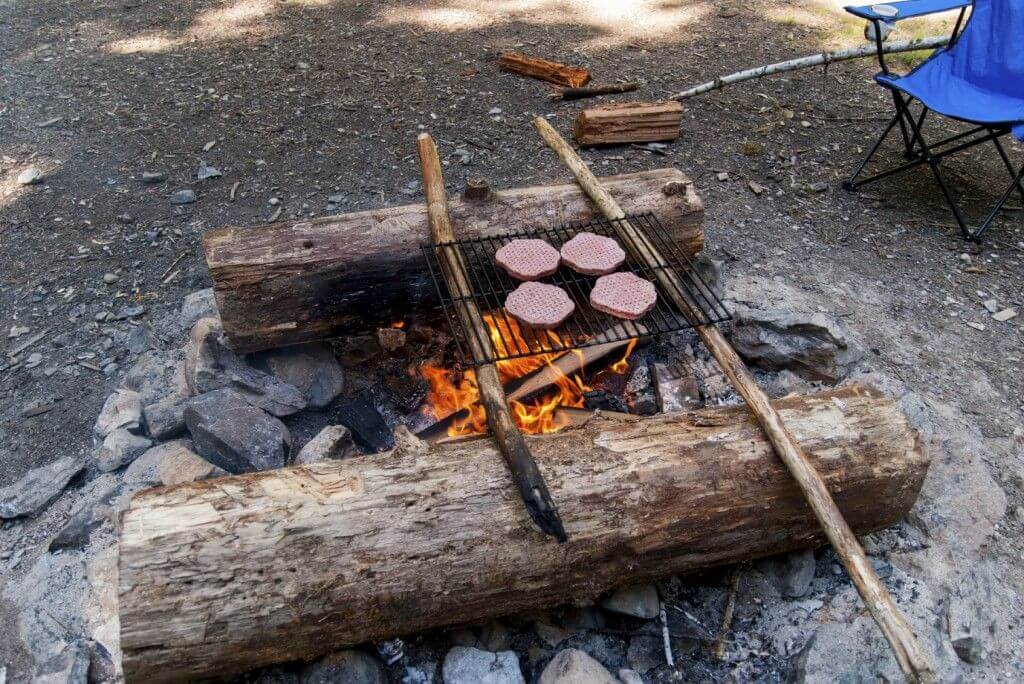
<point x="911" y="656"/>
<point x="507" y="435"/>
<point x="813" y="60"/>
<point x="593" y="91"/>
<point x="730" y="607"/>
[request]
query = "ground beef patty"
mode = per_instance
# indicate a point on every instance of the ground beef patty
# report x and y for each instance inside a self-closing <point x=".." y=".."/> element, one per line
<point x="538" y="305"/>
<point x="623" y="295"/>
<point x="528" y="259"/>
<point x="591" y="254"/>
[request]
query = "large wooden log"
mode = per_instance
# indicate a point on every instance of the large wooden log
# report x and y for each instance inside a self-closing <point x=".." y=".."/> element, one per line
<point x="221" y="576"/>
<point x="287" y="283"/>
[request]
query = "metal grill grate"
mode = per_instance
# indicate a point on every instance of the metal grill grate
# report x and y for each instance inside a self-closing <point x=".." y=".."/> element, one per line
<point x="586" y="327"/>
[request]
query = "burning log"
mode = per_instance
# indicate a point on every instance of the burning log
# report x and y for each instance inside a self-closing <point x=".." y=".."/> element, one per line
<point x="549" y="372"/>
<point x="286" y="283"/>
<point x="220" y="576"/>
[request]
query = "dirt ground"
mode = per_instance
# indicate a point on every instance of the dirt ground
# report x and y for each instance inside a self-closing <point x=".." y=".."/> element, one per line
<point x="308" y="107"/>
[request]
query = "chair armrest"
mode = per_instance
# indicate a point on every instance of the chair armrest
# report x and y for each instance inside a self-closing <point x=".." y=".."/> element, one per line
<point x="907" y="9"/>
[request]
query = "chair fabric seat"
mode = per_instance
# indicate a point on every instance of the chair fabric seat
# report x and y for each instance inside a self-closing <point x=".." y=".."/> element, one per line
<point x="935" y="84"/>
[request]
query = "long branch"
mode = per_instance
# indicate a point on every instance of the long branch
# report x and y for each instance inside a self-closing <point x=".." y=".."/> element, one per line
<point x="812" y="60"/>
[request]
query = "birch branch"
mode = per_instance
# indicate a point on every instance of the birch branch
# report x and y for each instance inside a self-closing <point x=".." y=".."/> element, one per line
<point x="813" y="60"/>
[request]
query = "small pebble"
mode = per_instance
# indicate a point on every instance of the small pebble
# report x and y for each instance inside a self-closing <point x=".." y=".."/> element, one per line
<point x="183" y="197"/>
<point x="30" y="176"/>
<point x="110" y="278"/>
<point x="152" y="177"/>
<point x="274" y="201"/>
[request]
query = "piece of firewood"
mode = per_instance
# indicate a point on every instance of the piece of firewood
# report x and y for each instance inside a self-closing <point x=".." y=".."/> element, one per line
<point x="222" y="576"/>
<point x="628" y="122"/>
<point x="504" y="431"/>
<point x="911" y="656"/>
<point x="544" y="69"/>
<point x="287" y="283"/>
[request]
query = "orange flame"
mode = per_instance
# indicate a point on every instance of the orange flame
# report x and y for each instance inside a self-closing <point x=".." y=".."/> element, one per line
<point x="449" y="394"/>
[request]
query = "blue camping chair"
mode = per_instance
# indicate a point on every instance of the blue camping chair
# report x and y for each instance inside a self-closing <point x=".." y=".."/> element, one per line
<point x="978" y="79"/>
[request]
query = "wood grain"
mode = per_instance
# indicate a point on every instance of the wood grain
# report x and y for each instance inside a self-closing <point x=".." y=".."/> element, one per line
<point x="629" y="122"/>
<point x="543" y="69"/>
<point x="221" y="576"/>
<point x="288" y="283"/>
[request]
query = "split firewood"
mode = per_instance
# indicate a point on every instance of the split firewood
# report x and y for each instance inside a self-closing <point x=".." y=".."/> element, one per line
<point x="593" y="91"/>
<point x="221" y="576"/>
<point x="629" y="122"/>
<point x="544" y="69"/>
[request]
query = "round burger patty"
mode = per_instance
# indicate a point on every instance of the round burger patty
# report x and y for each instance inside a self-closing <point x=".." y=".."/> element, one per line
<point x="592" y="254"/>
<point x="539" y="305"/>
<point x="528" y="259"/>
<point x="623" y="295"/>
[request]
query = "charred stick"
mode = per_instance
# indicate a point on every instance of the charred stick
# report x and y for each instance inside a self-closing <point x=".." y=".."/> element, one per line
<point x="510" y="440"/>
<point x="911" y="656"/>
<point x="593" y="91"/>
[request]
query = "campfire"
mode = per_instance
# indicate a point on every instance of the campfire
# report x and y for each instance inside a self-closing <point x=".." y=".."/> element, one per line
<point x="454" y="396"/>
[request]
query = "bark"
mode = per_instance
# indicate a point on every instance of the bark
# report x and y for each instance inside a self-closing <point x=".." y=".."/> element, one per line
<point x="544" y="69"/>
<point x="288" y="283"/>
<point x="222" y="576"/>
<point x="631" y="122"/>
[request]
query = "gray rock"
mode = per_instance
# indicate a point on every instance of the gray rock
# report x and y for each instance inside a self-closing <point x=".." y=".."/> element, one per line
<point x="495" y="637"/>
<point x="198" y="304"/>
<point x="157" y="374"/>
<point x="234" y="435"/>
<point x="645" y="653"/>
<point x="119" y="448"/>
<point x="464" y="665"/>
<point x="812" y="345"/>
<point x="166" y="418"/>
<point x="140" y="339"/>
<point x="145" y="470"/>
<point x="31" y="176"/>
<point x="791" y="573"/>
<point x="312" y="368"/>
<point x="153" y="177"/>
<point x="37" y="488"/>
<point x="419" y="674"/>
<point x="969" y="615"/>
<point x="640" y="601"/>
<point x="627" y="676"/>
<point x="351" y="667"/>
<point x="183" y="197"/>
<point x="573" y="666"/>
<point x="333" y="442"/>
<point x="71" y="666"/>
<point x="123" y="409"/>
<point x="76" y="531"/>
<point x="210" y="365"/>
<point x="184" y="465"/>
<point x="845" y="653"/>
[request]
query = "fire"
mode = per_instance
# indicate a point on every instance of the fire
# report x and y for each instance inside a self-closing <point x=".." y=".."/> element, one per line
<point x="450" y="393"/>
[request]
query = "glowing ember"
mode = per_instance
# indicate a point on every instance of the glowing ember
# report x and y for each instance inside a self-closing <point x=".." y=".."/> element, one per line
<point x="449" y="394"/>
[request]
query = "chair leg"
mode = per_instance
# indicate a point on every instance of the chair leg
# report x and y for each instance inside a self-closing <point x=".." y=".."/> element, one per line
<point x="976" y="234"/>
<point x="852" y="183"/>
<point x="933" y="164"/>
<point x="908" y="148"/>
<point x="1009" y="166"/>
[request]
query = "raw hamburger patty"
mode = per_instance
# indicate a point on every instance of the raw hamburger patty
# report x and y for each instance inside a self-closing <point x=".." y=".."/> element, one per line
<point x="528" y="259"/>
<point x="592" y="254"/>
<point x="623" y="295"/>
<point x="538" y="305"/>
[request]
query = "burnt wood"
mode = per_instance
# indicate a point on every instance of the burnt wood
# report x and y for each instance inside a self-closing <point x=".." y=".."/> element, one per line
<point x="287" y="283"/>
<point x="221" y="576"/>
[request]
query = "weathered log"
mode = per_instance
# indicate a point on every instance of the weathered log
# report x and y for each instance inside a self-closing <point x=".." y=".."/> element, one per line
<point x="221" y="576"/>
<point x="629" y="122"/>
<point x="543" y="69"/>
<point x="287" y="283"/>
